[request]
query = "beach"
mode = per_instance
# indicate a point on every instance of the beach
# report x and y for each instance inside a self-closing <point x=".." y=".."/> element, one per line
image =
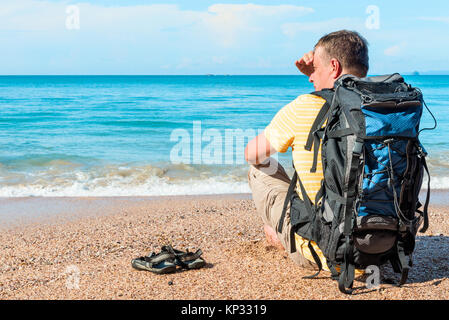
<point x="98" y="170"/>
<point x="82" y="247"/>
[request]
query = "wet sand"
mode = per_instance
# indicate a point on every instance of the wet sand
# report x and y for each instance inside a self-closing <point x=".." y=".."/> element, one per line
<point x="81" y="248"/>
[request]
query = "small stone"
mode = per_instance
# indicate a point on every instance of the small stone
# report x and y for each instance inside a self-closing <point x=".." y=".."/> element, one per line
<point x="170" y="283"/>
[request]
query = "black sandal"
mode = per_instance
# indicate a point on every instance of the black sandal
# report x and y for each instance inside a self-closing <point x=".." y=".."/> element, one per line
<point x="160" y="263"/>
<point x="186" y="260"/>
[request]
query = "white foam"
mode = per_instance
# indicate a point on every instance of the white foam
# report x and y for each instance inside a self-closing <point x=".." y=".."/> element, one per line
<point x="436" y="183"/>
<point x="145" y="181"/>
<point x="153" y="187"/>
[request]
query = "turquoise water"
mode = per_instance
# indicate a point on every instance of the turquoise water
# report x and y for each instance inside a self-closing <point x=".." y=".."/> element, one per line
<point x="156" y="135"/>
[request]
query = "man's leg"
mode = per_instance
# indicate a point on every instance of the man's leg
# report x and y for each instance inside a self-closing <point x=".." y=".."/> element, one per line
<point x="269" y="188"/>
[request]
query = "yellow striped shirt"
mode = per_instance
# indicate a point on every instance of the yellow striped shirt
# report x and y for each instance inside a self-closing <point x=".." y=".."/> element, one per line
<point x="290" y="128"/>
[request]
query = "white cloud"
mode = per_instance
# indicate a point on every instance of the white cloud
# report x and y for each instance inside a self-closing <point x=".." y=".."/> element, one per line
<point x="293" y="29"/>
<point x="185" y="62"/>
<point x="31" y="15"/>
<point x="395" y="50"/>
<point x="231" y="22"/>
<point x="438" y="19"/>
<point x="218" y="59"/>
<point x="223" y="24"/>
<point x="149" y="38"/>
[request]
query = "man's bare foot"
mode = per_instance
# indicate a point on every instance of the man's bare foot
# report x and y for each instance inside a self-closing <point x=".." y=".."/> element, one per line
<point x="272" y="237"/>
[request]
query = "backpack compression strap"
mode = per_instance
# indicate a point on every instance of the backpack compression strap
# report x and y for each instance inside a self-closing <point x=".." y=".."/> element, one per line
<point x="308" y="206"/>
<point x="348" y="269"/>
<point x="426" y="205"/>
<point x="290" y="192"/>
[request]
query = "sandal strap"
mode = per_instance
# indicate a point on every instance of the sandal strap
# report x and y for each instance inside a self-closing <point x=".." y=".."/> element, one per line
<point x="193" y="255"/>
<point x="178" y="254"/>
<point x="181" y="256"/>
<point x="198" y="253"/>
<point x="158" y="258"/>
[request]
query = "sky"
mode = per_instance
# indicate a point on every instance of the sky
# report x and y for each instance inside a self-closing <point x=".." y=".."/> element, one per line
<point x="213" y="37"/>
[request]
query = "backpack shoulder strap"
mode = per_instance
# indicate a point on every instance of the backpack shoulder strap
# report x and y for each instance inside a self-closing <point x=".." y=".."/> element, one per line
<point x="326" y="94"/>
<point x="314" y="137"/>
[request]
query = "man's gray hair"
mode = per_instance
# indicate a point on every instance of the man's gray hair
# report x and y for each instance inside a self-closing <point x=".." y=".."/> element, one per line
<point x="349" y="48"/>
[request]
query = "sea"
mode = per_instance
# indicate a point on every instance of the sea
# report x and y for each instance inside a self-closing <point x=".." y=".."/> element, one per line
<point x="64" y="136"/>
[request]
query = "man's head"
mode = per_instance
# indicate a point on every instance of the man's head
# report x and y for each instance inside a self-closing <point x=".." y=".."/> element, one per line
<point x="338" y="53"/>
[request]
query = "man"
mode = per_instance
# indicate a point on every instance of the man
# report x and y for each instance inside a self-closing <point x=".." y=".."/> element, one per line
<point x="336" y="54"/>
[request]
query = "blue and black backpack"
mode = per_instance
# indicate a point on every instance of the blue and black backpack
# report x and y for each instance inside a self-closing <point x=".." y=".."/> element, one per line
<point x="367" y="211"/>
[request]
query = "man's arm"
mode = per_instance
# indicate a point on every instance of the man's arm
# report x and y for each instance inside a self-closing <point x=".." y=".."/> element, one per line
<point x="258" y="150"/>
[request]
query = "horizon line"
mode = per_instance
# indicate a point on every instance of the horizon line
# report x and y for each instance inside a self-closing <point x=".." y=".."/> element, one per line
<point x="199" y="75"/>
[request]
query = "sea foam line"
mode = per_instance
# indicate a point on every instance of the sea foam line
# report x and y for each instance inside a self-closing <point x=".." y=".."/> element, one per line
<point x="161" y="188"/>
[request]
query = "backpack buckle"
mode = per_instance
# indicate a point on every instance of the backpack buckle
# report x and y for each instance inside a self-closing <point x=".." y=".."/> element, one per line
<point x="358" y="146"/>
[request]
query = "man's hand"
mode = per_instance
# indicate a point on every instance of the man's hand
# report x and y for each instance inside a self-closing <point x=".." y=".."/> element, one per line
<point x="305" y="64"/>
<point x="258" y="150"/>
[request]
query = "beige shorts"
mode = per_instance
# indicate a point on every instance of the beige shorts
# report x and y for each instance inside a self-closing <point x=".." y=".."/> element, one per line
<point x="269" y="191"/>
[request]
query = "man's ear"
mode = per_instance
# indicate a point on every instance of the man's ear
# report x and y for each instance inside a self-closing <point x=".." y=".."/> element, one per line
<point x="336" y="68"/>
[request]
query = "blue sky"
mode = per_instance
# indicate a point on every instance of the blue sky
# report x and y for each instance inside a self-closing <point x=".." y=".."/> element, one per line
<point x="219" y="37"/>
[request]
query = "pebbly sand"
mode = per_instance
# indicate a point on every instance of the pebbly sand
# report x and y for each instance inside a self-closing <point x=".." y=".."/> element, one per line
<point x="81" y="248"/>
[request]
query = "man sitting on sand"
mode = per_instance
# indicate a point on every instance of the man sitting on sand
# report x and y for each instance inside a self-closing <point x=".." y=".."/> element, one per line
<point x="336" y="54"/>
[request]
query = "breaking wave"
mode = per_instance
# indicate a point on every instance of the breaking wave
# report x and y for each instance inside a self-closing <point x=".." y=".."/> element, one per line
<point x="74" y="177"/>
<point x="62" y="178"/>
